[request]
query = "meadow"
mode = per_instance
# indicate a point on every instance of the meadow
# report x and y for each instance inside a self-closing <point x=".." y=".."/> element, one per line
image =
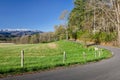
<point x="44" y="56"/>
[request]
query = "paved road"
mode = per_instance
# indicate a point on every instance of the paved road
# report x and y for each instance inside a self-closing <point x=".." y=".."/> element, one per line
<point x="103" y="70"/>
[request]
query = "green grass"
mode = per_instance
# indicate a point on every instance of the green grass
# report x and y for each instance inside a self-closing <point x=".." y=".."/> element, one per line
<point x="45" y="56"/>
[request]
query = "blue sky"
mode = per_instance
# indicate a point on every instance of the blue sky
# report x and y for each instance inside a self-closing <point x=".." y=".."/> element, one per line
<point x="32" y="14"/>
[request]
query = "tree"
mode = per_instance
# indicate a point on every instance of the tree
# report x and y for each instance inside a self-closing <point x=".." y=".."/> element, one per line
<point x="47" y="37"/>
<point x="111" y="10"/>
<point x="34" y="38"/>
<point x="77" y="18"/>
<point x="25" y="39"/>
<point x="64" y="17"/>
<point x="102" y="17"/>
<point x="60" y="32"/>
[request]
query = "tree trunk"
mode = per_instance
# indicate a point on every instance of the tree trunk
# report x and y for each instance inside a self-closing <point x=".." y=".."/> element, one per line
<point x="118" y="20"/>
<point x="66" y="34"/>
<point x="119" y="37"/>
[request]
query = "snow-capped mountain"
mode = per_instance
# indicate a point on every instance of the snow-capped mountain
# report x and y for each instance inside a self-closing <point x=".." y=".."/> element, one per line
<point x="17" y="32"/>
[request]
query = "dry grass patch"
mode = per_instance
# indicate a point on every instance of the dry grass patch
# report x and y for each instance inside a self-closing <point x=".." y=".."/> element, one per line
<point x="52" y="45"/>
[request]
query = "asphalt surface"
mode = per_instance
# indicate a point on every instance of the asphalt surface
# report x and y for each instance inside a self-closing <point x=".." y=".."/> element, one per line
<point x="104" y="70"/>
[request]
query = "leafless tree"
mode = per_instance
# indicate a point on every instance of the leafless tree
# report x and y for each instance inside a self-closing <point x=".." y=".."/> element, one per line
<point x="64" y="17"/>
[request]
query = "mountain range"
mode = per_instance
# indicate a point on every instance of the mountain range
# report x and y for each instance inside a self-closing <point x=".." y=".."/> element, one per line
<point x="5" y="34"/>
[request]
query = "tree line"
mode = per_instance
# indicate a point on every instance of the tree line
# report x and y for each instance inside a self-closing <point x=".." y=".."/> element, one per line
<point x="97" y="20"/>
<point x="58" y="34"/>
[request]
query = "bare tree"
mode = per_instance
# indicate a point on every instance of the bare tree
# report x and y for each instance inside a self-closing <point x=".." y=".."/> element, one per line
<point x="64" y="17"/>
<point x="112" y="12"/>
<point x="110" y="15"/>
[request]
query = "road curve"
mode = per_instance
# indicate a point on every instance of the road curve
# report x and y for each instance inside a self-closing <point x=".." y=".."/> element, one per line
<point x="104" y="70"/>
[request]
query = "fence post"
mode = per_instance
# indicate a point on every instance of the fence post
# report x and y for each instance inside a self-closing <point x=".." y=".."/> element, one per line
<point x="101" y="51"/>
<point x="22" y="58"/>
<point x="96" y="49"/>
<point x="112" y="53"/>
<point x="95" y="54"/>
<point x="99" y="54"/>
<point x="84" y="56"/>
<point x="64" y="57"/>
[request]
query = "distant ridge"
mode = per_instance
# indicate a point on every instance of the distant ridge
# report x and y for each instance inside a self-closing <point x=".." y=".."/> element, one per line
<point x="18" y="30"/>
<point x="11" y="33"/>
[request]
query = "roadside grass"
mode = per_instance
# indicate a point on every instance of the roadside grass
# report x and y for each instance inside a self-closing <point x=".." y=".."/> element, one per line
<point x="46" y="56"/>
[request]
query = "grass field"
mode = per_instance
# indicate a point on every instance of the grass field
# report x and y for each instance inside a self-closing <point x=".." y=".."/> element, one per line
<point x="45" y="56"/>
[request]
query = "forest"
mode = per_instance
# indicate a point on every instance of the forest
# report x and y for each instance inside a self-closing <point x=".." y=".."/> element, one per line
<point x="96" y="20"/>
